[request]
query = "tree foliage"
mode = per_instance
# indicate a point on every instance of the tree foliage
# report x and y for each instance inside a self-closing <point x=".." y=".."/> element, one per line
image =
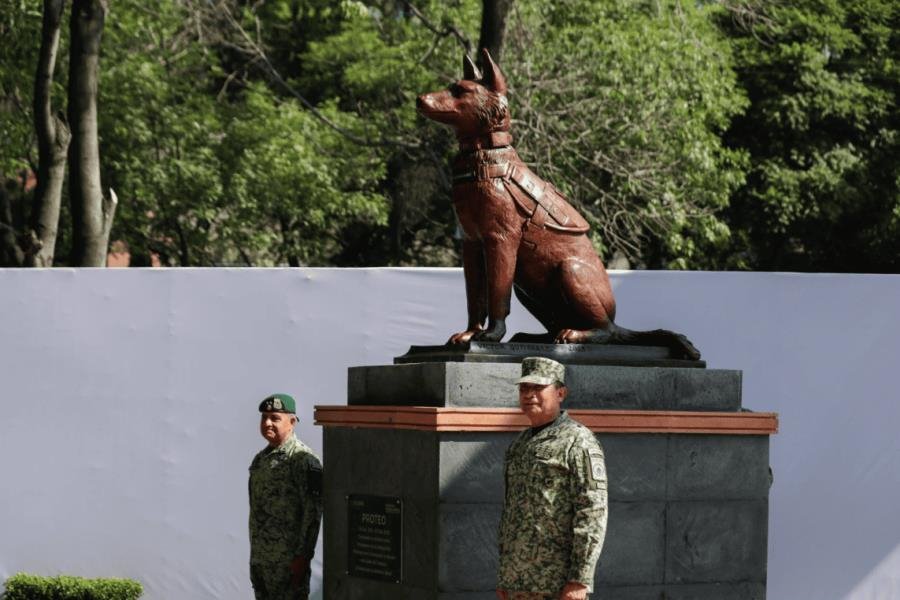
<point x="214" y="166"/>
<point x="621" y="104"/>
<point x="718" y="134"/>
<point x="20" y="30"/>
<point x="823" y="188"/>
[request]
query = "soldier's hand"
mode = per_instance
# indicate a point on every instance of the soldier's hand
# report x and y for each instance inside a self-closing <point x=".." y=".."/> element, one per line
<point x="574" y="591"/>
<point x="501" y="595"/>
<point x="299" y="567"/>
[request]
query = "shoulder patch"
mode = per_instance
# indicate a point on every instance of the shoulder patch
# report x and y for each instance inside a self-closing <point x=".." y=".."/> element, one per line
<point x="596" y="465"/>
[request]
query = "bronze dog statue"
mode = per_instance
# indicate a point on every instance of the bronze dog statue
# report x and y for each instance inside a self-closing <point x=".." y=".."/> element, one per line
<point x="520" y="232"/>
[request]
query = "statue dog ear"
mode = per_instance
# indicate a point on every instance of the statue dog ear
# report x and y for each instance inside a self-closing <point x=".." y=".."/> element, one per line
<point x="470" y="71"/>
<point x="493" y="78"/>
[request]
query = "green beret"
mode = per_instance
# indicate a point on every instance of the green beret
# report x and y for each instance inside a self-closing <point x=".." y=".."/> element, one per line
<point x="542" y="371"/>
<point x="278" y="403"/>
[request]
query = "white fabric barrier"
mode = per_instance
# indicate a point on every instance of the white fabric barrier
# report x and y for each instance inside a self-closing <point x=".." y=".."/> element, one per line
<point x="128" y="406"/>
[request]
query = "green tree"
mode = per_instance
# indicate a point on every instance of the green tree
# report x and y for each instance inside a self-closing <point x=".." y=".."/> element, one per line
<point x="161" y="126"/>
<point x="29" y="218"/>
<point x="726" y="134"/>
<point x="823" y="191"/>
<point x="20" y="30"/>
<point x="383" y="55"/>
<point x="296" y="184"/>
<point x="213" y="167"/>
<point x="621" y="104"/>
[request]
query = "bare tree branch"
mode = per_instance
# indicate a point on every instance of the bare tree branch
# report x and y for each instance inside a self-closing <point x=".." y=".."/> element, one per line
<point x="439" y="33"/>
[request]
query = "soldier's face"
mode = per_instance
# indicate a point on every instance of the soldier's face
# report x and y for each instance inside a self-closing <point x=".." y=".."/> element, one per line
<point x="276" y="427"/>
<point x="541" y="403"/>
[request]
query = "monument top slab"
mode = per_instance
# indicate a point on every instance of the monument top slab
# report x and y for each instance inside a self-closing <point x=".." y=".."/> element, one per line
<point x="576" y="354"/>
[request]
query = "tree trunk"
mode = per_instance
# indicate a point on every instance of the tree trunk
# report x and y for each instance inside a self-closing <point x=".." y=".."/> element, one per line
<point x="53" y="143"/>
<point x="493" y="27"/>
<point x="92" y="213"/>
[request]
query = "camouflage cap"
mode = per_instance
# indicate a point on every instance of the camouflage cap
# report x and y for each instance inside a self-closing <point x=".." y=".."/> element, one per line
<point x="278" y="403"/>
<point x="542" y="371"/>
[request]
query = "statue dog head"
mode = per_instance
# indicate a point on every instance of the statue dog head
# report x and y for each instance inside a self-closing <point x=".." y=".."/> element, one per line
<point x="475" y="105"/>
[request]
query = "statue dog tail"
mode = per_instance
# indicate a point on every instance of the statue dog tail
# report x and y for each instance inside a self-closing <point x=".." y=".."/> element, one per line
<point x="678" y="344"/>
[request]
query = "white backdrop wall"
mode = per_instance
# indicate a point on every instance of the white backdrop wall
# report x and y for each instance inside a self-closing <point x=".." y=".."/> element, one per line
<point x="128" y="406"/>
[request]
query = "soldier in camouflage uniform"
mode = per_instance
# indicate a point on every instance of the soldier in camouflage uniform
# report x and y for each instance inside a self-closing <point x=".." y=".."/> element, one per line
<point x="285" y="506"/>
<point x="554" y="515"/>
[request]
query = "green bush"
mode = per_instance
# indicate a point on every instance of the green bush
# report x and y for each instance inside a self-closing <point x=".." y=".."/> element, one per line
<point x="23" y="586"/>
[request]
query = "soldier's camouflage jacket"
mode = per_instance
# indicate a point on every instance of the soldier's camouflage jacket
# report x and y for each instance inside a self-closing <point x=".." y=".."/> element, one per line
<point x="554" y="515"/>
<point x="285" y="503"/>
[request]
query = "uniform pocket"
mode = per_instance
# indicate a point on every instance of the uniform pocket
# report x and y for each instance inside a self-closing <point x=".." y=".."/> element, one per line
<point x="550" y="480"/>
<point x="548" y="464"/>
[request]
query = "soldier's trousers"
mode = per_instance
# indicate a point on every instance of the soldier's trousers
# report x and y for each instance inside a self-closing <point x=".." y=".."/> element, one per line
<point x="273" y="582"/>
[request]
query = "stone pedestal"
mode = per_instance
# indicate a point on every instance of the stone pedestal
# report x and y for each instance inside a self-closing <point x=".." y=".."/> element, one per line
<point x="688" y="479"/>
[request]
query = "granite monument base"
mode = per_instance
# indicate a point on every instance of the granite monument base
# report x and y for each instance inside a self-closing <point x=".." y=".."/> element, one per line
<point x="414" y="481"/>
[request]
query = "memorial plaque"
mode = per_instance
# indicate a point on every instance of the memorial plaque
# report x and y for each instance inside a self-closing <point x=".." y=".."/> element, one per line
<point x="374" y="531"/>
